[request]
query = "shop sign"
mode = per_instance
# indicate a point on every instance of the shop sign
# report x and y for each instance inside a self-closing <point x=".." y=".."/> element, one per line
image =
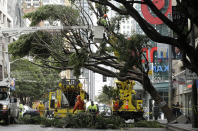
<point x="160" y="68"/>
<point x="191" y="75"/>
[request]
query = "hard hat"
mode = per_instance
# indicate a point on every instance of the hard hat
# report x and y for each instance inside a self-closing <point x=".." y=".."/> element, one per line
<point x="78" y="97"/>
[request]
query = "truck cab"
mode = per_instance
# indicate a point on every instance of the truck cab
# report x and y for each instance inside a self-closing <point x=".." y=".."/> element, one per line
<point x="9" y="110"/>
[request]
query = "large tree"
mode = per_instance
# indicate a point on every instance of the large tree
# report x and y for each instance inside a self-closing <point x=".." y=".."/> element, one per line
<point x="75" y="48"/>
<point x="31" y="81"/>
<point x="186" y="8"/>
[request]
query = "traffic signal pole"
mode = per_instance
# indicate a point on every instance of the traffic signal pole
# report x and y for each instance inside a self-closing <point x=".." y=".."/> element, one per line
<point x="194" y="89"/>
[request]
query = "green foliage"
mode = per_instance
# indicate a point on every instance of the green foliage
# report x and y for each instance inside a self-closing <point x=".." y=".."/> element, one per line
<point x="33" y="43"/>
<point x="148" y="124"/>
<point x="110" y="91"/>
<point x="30" y="120"/>
<point x="77" y="61"/>
<point x="66" y="14"/>
<point x="85" y="120"/>
<point x="130" y="50"/>
<point x="101" y="9"/>
<point x="32" y="81"/>
<point x="51" y="50"/>
<point x="113" y="122"/>
<point x="103" y="98"/>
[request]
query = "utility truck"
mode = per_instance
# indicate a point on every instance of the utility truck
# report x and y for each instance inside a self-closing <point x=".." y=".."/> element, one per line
<point x="62" y="100"/>
<point x="126" y="104"/>
<point x="9" y="109"/>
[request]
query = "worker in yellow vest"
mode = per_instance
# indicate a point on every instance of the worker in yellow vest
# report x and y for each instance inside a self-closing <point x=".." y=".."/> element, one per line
<point x="21" y="108"/>
<point x="93" y="110"/>
<point x="41" y="108"/>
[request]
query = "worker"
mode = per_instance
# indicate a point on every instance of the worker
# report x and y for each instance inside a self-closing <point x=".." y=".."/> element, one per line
<point x="79" y="105"/>
<point x="21" y="108"/>
<point x="116" y="104"/>
<point x="41" y="108"/>
<point x="93" y="110"/>
<point x="127" y="105"/>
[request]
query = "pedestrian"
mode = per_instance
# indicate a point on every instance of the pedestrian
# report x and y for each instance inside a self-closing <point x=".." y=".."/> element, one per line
<point x="97" y="112"/>
<point x="177" y="109"/>
<point x="156" y="111"/>
<point x="174" y="109"/>
<point x="79" y="105"/>
<point x="93" y="110"/>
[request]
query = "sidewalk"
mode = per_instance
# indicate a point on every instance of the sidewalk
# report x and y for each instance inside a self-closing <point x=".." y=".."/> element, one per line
<point x="178" y="127"/>
<point x="181" y="127"/>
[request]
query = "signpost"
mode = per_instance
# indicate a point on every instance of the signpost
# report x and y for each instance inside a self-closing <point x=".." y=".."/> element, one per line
<point x="191" y="75"/>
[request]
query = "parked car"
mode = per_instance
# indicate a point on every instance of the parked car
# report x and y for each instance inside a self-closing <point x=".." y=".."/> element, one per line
<point x="28" y="111"/>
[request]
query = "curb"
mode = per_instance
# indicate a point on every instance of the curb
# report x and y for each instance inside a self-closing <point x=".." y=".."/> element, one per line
<point x="177" y="128"/>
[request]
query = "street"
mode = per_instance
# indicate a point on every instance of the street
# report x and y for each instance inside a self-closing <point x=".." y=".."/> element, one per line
<point x="16" y="127"/>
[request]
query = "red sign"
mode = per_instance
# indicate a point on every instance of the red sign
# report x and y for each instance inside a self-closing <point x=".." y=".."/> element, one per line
<point x="165" y="6"/>
<point x="161" y="54"/>
<point x="151" y="53"/>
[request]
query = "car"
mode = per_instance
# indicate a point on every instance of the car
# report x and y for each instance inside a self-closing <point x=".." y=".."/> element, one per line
<point x="104" y="109"/>
<point x="28" y="111"/>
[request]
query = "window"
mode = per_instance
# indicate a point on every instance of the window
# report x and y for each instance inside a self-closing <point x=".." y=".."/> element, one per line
<point x="36" y="5"/>
<point x="3" y="95"/>
<point x="28" y="5"/>
<point x="104" y="79"/>
<point x="1" y="73"/>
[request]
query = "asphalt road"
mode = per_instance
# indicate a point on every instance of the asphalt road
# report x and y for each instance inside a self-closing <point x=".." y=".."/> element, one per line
<point x="16" y="127"/>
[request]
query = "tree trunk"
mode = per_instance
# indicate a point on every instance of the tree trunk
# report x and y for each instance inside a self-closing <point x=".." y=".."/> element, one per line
<point x="154" y="94"/>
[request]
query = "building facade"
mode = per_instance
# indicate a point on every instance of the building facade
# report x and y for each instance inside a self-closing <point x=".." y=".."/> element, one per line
<point x="5" y="22"/>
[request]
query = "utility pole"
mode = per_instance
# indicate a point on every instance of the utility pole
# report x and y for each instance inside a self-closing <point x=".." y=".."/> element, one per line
<point x="194" y="88"/>
<point x="170" y="78"/>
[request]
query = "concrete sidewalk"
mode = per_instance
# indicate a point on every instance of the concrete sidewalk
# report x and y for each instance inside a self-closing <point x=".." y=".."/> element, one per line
<point x="181" y="127"/>
<point x="178" y="127"/>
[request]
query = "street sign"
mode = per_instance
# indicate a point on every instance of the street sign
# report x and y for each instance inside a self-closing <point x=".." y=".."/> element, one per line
<point x="191" y="75"/>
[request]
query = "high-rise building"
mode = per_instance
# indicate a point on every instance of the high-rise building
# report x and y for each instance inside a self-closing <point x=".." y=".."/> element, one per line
<point x="54" y="2"/>
<point x="30" y="6"/>
<point x="15" y="11"/>
<point x="5" y="18"/>
<point x="127" y="26"/>
<point x="5" y="22"/>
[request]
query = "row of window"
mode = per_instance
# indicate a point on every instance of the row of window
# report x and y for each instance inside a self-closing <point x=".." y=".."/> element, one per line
<point x="2" y="2"/>
<point x="127" y="21"/>
<point x="34" y="5"/>
<point x="4" y="20"/>
<point x="31" y="0"/>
